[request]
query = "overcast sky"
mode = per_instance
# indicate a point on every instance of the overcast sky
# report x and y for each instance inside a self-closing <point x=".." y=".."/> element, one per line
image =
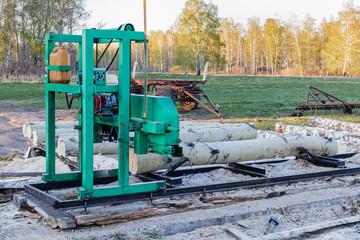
<point x="163" y="13"/>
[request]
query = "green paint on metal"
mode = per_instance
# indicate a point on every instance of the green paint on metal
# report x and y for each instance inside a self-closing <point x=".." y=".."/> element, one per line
<point x="59" y="68"/>
<point x="68" y="88"/>
<point x="158" y="132"/>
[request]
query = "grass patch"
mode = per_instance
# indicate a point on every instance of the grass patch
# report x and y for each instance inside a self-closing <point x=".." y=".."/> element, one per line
<point x="28" y="95"/>
<point x="240" y="98"/>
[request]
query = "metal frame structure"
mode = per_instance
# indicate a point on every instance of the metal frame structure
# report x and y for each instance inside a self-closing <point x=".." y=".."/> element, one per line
<point x="158" y="132"/>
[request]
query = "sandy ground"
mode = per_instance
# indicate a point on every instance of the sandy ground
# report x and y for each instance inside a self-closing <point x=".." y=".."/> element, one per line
<point x="301" y="212"/>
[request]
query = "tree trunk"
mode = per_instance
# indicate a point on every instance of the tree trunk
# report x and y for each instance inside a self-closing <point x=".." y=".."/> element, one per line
<point x="268" y="134"/>
<point x="214" y="134"/>
<point x="39" y="136"/>
<point x="333" y="124"/>
<point x="236" y="151"/>
<point x="70" y="147"/>
<point x="30" y="127"/>
<point x="189" y="124"/>
<point x="40" y="39"/>
<point x="218" y="133"/>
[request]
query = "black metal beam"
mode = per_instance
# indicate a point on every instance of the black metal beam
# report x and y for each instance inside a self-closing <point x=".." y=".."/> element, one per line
<point x="37" y="189"/>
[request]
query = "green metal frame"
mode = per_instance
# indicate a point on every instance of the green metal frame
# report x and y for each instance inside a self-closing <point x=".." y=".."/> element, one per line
<point x="158" y="132"/>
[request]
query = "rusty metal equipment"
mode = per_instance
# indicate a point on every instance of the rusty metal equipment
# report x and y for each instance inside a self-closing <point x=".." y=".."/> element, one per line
<point x="184" y="91"/>
<point x="320" y="100"/>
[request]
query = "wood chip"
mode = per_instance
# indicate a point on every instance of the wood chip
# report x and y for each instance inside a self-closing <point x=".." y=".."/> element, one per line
<point x="12" y="156"/>
<point x="207" y="233"/>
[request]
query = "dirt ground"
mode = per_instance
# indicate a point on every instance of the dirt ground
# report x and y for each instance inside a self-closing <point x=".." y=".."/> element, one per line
<point x="305" y="203"/>
<point x="11" y="121"/>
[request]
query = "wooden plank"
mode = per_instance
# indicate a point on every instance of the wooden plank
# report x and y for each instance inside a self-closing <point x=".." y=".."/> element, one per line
<point x="114" y="214"/>
<point x="56" y="218"/>
<point x="237" y="234"/>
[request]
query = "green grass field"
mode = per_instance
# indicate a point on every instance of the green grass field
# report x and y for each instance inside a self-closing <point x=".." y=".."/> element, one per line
<point x="244" y="97"/>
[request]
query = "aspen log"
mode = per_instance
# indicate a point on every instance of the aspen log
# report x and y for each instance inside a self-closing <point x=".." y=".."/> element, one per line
<point x="333" y="124"/>
<point x="203" y="153"/>
<point x="218" y="133"/>
<point x="39" y="136"/>
<point x="311" y="131"/>
<point x="188" y="124"/>
<point x="214" y="134"/>
<point x="268" y="134"/>
<point x="70" y="147"/>
<point x="58" y="123"/>
<point x="34" y="126"/>
<point x="24" y="126"/>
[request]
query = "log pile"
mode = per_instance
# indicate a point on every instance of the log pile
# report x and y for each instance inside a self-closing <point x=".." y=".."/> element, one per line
<point x="35" y="133"/>
<point x="202" y="143"/>
<point x="333" y="124"/>
<point x="67" y="140"/>
<point x="312" y="131"/>
<point x="347" y="134"/>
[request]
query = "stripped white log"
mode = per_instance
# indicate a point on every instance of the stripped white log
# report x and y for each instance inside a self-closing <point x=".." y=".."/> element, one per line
<point x="203" y="153"/>
<point x="333" y="124"/>
<point x="261" y="134"/>
<point x="39" y="136"/>
<point x="218" y="133"/>
<point x="24" y="126"/>
<point x="70" y="147"/>
<point x="33" y="126"/>
<point x="58" y="123"/>
<point x="188" y="124"/>
<point x="311" y="131"/>
<point x="214" y="134"/>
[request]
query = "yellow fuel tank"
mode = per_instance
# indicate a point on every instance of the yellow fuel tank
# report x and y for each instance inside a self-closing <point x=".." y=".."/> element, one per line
<point x="59" y="57"/>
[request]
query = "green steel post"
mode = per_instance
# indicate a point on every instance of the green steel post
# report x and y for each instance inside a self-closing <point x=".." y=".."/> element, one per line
<point x="87" y="111"/>
<point x="50" y="116"/>
<point x="124" y="111"/>
<point x="80" y="114"/>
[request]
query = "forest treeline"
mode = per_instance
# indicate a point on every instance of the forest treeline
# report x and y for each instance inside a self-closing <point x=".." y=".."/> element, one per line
<point x="292" y="47"/>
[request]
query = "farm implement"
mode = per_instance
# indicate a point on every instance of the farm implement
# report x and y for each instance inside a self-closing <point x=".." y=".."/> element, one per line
<point x="319" y="100"/>
<point x="184" y="91"/>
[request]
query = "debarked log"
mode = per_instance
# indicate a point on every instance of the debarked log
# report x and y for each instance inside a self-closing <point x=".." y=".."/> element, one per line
<point x="29" y="127"/>
<point x="39" y="136"/>
<point x="333" y="124"/>
<point x="70" y="147"/>
<point x="218" y="133"/>
<point x="203" y="153"/>
<point x="189" y="124"/>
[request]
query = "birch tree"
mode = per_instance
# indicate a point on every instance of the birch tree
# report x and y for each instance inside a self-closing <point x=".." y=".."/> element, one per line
<point x="198" y="27"/>
<point x="274" y="39"/>
<point x="229" y="35"/>
<point x="254" y="43"/>
<point x="343" y="41"/>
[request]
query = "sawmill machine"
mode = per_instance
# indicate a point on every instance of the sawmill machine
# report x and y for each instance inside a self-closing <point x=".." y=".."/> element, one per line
<point x="107" y="111"/>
